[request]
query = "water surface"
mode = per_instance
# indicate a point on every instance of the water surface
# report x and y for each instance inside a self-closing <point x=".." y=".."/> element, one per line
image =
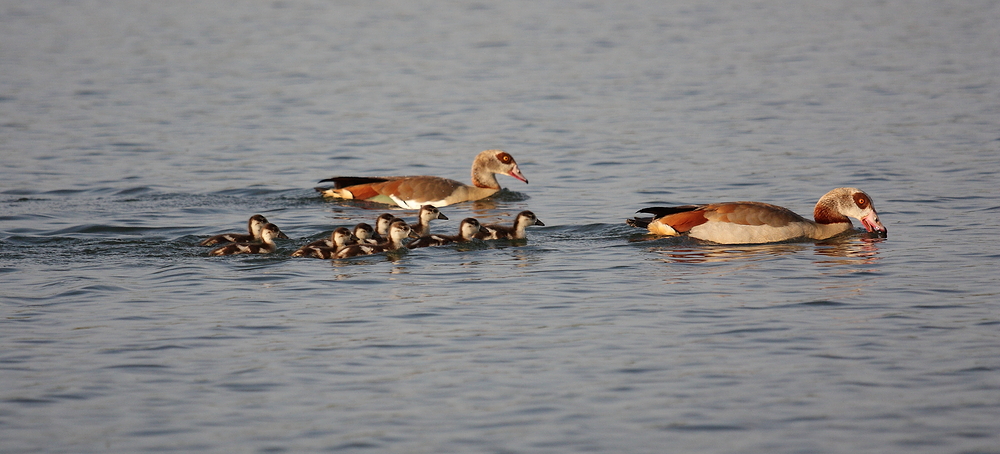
<point x="131" y="131"/>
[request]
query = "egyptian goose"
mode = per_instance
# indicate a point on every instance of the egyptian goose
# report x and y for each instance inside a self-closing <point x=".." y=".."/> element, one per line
<point x="467" y="231"/>
<point x="413" y="191"/>
<point x="324" y="249"/>
<point x="253" y="226"/>
<point x="381" y="229"/>
<point x="267" y="235"/>
<point x="514" y="232"/>
<point x="398" y="231"/>
<point x="427" y="214"/>
<point x="755" y="222"/>
<point x="363" y="232"/>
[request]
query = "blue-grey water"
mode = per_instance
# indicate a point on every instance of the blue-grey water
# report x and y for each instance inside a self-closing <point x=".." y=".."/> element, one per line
<point x="129" y="131"/>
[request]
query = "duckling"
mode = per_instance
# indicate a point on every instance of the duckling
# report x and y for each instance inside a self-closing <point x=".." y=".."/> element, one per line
<point x="467" y="230"/>
<point x="253" y="226"/>
<point x="324" y="249"/>
<point x="398" y="230"/>
<point x="340" y="236"/>
<point x="364" y="232"/>
<point x="424" y="217"/>
<point x="514" y="232"/>
<point x="267" y="235"/>
<point x="382" y="227"/>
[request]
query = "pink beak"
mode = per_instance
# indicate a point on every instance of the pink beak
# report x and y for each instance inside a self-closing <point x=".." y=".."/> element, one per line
<point x="516" y="173"/>
<point x="872" y="223"/>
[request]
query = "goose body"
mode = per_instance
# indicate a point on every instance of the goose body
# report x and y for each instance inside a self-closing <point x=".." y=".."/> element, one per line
<point x="467" y="231"/>
<point x="513" y="232"/>
<point x="414" y="191"/>
<point x="254" y="225"/>
<point x="326" y="248"/>
<point x="267" y="235"/>
<point x="398" y="231"/>
<point x="756" y="222"/>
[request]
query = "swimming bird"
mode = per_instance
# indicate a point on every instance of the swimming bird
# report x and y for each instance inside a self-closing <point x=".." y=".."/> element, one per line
<point x="381" y="229"/>
<point x="253" y="226"/>
<point x="756" y="222"/>
<point x="513" y="232"/>
<point x="326" y="248"/>
<point x="267" y="235"/>
<point x="398" y="231"/>
<point x="466" y="231"/>
<point x="427" y="214"/>
<point x="363" y="232"/>
<point x="414" y="191"/>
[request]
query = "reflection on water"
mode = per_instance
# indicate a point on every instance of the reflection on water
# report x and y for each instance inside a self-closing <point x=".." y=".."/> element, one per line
<point x="127" y="142"/>
<point x="708" y="254"/>
<point x="483" y="207"/>
<point x="855" y="251"/>
<point x="751" y="271"/>
<point x="522" y="258"/>
<point x="843" y="251"/>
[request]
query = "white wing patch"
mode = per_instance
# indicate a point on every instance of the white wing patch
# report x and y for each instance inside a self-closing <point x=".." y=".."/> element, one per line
<point x="414" y="205"/>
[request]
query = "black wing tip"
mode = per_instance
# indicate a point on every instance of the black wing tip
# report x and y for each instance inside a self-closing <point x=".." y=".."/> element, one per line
<point x="641" y="223"/>
<point x="659" y="212"/>
<point x="343" y="182"/>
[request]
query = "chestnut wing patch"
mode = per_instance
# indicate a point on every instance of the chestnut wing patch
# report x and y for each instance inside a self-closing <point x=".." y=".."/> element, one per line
<point x="680" y="218"/>
<point x="684" y="221"/>
<point x="364" y="191"/>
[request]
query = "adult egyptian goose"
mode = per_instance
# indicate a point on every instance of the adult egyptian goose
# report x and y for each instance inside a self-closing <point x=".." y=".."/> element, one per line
<point x="267" y="235"/>
<point x="467" y="231"/>
<point x="253" y="226"/>
<point x="325" y="248"/>
<point x="413" y="191"/>
<point x="398" y="231"/>
<point x="755" y="222"/>
<point x="513" y="232"/>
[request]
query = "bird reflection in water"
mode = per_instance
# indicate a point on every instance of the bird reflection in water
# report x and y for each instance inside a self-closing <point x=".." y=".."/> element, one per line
<point x="851" y="251"/>
<point x="842" y="251"/>
<point x="718" y="253"/>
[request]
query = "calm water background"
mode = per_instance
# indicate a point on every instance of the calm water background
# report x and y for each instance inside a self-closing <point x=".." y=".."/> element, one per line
<point x="131" y="130"/>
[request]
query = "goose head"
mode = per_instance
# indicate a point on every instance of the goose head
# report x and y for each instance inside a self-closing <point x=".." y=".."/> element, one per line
<point x="841" y="203"/>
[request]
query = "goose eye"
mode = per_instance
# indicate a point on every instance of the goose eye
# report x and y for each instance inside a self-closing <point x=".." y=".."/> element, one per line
<point x="505" y="158"/>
